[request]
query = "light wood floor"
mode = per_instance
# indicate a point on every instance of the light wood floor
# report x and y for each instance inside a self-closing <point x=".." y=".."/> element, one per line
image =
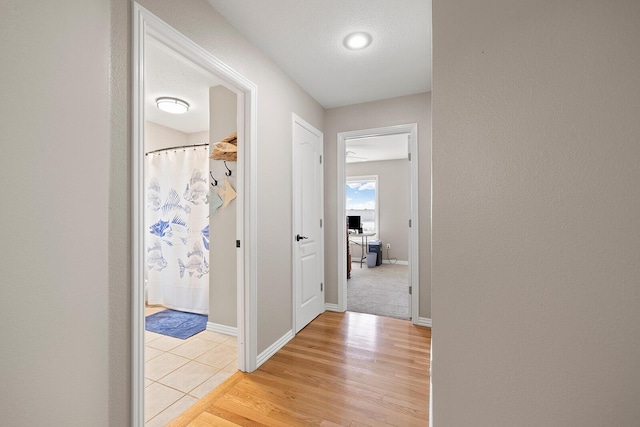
<point x="343" y="369"/>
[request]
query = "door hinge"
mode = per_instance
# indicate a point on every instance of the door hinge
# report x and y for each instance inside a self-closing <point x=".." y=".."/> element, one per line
<point x="320" y="223"/>
<point x="409" y="156"/>
<point x="410" y="290"/>
<point x="321" y="286"/>
<point x="320" y="159"/>
<point x="409" y="223"/>
<point x="237" y="243"/>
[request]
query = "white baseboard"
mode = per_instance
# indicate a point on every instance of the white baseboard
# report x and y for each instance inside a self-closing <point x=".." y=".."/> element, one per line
<point x="331" y="307"/>
<point x="273" y="348"/>
<point x="399" y="262"/>
<point x="222" y="329"/>
<point x="424" y="321"/>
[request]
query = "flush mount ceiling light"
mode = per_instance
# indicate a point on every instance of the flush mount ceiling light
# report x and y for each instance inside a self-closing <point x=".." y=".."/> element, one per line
<point x="172" y="105"/>
<point x="356" y="41"/>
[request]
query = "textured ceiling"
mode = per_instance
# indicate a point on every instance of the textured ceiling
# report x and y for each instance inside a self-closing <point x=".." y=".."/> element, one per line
<point x="305" y="37"/>
<point x="373" y="149"/>
<point x="169" y="74"/>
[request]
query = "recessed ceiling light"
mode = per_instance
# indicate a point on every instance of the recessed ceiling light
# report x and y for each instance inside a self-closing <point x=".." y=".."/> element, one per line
<point x="172" y="105"/>
<point x="359" y="40"/>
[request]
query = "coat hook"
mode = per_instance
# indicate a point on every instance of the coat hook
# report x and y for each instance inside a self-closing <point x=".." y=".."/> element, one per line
<point x="215" y="181"/>
<point x="228" y="173"/>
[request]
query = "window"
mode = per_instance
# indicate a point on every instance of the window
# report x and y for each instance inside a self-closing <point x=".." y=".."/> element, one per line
<point x="362" y="200"/>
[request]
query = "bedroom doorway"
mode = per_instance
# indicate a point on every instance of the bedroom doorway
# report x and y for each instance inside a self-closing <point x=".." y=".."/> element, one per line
<point x="377" y="205"/>
<point x="344" y="139"/>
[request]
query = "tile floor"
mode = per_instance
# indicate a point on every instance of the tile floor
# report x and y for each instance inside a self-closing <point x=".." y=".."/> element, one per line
<point x="180" y="372"/>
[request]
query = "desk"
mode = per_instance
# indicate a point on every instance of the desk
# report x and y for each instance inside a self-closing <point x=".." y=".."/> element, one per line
<point x="364" y="240"/>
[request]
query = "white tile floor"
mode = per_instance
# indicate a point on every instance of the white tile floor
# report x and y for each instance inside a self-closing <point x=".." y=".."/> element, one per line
<point x="180" y="372"/>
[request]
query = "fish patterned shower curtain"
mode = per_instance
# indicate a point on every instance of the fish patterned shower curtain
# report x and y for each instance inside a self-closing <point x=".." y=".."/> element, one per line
<point x="177" y="229"/>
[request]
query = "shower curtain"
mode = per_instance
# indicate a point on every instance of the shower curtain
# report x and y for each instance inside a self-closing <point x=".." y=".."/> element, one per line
<point x="177" y="229"/>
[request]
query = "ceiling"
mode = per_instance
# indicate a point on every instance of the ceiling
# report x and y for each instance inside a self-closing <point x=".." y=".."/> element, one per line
<point x="169" y="74"/>
<point x="373" y="149"/>
<point x="305" y="38"/>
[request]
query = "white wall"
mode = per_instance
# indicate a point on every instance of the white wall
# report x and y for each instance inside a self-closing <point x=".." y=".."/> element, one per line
<point x="198" y="137"/>
<point x="388" y="112"/>
<point x="223" y="278"/>
<point x="120" y="255"/>
<point x="55" y="134"/>
<point x="157" y="137"/>
<point x="536" y="208"/>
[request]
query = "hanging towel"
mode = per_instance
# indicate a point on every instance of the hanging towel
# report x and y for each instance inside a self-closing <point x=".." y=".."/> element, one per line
<point x="228" y="193"/>
<point x="214" y="201"/>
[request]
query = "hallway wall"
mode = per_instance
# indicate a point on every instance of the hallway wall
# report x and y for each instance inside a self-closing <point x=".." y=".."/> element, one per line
<point x="536" y="231"/>
<point x="54" y="168"/>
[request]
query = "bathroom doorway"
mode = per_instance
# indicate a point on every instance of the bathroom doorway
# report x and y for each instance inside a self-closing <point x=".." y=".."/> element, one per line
<point x="191" y="366"/>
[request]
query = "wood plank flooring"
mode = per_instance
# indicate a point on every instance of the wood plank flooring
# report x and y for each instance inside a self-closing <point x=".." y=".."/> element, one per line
<point x="343" y="369"/>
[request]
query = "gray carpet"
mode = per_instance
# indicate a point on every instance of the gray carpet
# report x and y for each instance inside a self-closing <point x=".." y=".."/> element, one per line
<point x="382" y="290"/>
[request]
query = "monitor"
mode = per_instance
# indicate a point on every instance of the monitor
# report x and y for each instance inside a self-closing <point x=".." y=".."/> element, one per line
<point x="353" y="223"/>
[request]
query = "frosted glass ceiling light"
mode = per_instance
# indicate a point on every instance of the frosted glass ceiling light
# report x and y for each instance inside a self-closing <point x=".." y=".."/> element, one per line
<point x="172" y="105"/>
<point x="355" y="41"/>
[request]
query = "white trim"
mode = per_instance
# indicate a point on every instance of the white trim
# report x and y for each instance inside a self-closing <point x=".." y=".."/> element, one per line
<point x="222" y="329"/>
<point x="275" y="347"/>
<point x="332" y="307"/>
<point x="144" y="24"/>
<point x="414" y="234"/>
<point x="399" y="262"/>
<point x="137" y="226"/>
<point x="423" y="321"/>
<point x="297" y="120"/>
<point x="247" y="298"/>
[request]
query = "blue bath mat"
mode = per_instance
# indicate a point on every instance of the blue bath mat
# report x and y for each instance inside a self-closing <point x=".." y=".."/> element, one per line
<point x="177" y="324"/>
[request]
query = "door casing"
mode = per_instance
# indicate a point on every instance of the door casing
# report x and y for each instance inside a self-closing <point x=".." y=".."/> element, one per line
<point x="414" y="232"/>
<point x="146" y="24"/>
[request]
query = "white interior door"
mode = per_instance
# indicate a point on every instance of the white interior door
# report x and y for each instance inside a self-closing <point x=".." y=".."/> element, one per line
<point x="308" y="236"/>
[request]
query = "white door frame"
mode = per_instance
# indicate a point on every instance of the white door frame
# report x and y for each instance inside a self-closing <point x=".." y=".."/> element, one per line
<point x="145" y="24"/>
<point x="298" y="120"/>
<point x="414" y="271"/>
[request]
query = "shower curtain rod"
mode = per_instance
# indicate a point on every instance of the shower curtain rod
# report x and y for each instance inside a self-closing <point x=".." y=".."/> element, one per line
<point x="176" y="148"/>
